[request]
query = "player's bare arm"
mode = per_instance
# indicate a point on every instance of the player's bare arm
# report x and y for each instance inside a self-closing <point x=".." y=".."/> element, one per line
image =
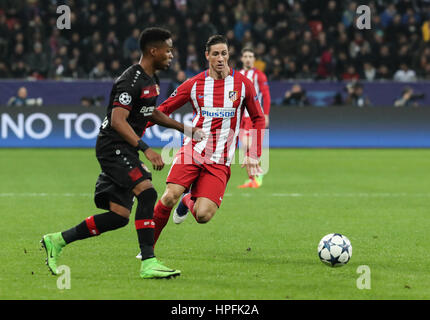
<point x="119" y="123"/>
<point x="161" y="119"/>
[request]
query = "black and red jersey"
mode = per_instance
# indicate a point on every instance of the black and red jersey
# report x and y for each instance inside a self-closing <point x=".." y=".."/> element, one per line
<point x="137" y="92"/>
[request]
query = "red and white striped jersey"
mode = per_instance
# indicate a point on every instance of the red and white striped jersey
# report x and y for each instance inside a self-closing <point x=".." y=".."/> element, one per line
<point x="259" y="79"/>
<point x="218" y="106"/>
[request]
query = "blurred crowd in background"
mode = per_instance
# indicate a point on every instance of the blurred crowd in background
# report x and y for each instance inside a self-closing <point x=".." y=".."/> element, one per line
<point x="292" y="39"/>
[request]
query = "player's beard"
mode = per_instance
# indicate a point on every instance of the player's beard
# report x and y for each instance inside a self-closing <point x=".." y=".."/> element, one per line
<point x="163" y="63"/>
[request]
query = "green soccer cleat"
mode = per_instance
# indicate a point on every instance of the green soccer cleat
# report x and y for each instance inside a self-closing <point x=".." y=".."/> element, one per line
<point x="53" y="244"/>
<point x="152" y="269"/>
<point x="259" y="180"/>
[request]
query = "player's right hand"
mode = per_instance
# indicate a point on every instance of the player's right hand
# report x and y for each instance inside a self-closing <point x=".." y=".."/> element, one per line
<point x="155" y="159"/>
<point x="252" y="166"/>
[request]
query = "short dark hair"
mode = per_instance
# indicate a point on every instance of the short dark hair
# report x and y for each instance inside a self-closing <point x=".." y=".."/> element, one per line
<point x="215" y="39"/>
<point x="247" y="49"/>
<point x="152" y="35"/>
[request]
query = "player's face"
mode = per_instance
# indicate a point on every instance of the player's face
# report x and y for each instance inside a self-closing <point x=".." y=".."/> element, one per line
<point x="164" y="55"/>
<point x="248" y="60"/>
<point x="218" y="57"/>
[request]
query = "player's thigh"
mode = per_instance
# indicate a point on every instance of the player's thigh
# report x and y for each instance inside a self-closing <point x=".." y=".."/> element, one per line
<point x="119" y="209"/>
<point x="142" y="186"/>
<point x="122" y="164"/>
<point x="180" y="178"/>
<point x="110" y="196"/>
<point x="211" y="183"/>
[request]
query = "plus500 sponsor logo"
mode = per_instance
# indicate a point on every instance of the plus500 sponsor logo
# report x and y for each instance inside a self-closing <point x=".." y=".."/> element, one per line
<point x="218" y="112"/>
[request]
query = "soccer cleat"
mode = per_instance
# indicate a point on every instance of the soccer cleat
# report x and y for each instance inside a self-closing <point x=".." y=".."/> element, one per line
<point x="153" y="269"/>
<point x="251" y="183"/>
<point x="53" y="244"/>
<point x="247" y="184"/>
<point x="181" y="212"/>
<point x="254" y="184"/>
<point x="139" y="256"/>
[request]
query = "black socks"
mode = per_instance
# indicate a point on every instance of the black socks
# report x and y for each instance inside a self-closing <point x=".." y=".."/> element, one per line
<point x="94" y="225"/>
<point x="144" y="222"/>
<point x="100" y="223"/>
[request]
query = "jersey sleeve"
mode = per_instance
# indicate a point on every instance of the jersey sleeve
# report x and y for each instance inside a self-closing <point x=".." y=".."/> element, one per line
<point x="177" y="99"/>
<point x="126" y="94"/>
<point x="257" y="118"/>
<point x="265" y="91"/>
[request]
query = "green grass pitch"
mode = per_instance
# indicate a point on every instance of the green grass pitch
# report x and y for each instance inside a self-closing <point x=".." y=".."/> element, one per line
<point x="261" y="244"/>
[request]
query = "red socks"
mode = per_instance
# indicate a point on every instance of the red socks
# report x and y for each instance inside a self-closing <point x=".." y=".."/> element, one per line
<point x="189" y="203"/>
<point x="161" y="216"/>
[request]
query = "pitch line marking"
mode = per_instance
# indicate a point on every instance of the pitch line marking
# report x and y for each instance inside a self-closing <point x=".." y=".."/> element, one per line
<point x="245" y="195"/>
<point x="340" y="195"/>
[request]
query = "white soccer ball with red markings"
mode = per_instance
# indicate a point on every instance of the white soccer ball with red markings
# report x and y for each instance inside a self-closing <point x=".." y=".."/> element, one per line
<point x="335" y="250"/>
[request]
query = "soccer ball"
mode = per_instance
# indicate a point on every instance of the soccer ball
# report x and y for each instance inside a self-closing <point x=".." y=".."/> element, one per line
<point x="335" y="250"/>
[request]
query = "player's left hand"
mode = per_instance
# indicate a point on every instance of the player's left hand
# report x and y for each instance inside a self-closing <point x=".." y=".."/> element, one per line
<point x="155" y="158"/>
<point x="252" y="166"/>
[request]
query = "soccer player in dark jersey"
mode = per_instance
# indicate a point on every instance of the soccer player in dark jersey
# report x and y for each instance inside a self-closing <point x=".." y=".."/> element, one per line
<point x="123" y="176"/>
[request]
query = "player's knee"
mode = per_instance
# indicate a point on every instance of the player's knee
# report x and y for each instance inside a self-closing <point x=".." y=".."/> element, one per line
<point x="145" y="204"/>
<point x="204" y="215"/>
<point x="148" y="196"/>
<point x="170" y="199"/>
<point x="202" y="219"/>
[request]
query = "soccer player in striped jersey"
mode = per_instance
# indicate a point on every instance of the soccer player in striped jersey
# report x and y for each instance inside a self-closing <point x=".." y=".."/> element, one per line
<point x="219" y="97"/>
<point x="259" y="79"/>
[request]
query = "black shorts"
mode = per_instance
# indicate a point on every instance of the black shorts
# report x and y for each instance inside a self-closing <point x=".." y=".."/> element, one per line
<point x="122" y="170"/>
